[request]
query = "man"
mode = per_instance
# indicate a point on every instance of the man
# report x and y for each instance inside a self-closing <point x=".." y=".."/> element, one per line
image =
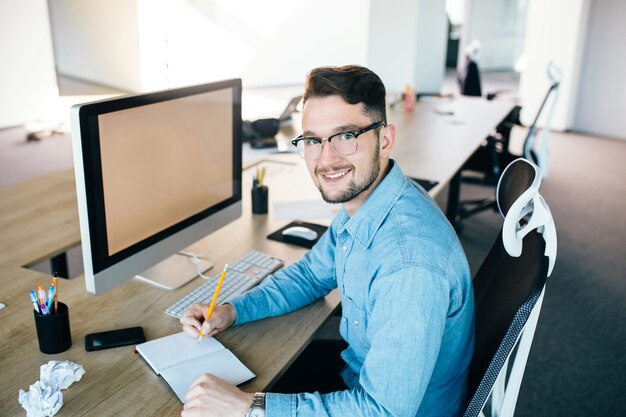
<point x="405" y="287"/>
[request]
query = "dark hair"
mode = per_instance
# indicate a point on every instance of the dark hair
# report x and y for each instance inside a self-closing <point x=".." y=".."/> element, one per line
<point x="355" y="84"/>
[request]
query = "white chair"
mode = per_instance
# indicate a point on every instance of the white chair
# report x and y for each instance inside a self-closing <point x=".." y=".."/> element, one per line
<point x="509" y="289"/>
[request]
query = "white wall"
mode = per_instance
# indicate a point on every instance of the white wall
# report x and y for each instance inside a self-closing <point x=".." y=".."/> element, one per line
<point x="144" y="45"/>
<point x="407" y="43"/>
<point x="499" y="26"/>
<point x="97" y="41"/>
<point x="555" y="33"/>
<point x="27" y="77"/>
<point x="602" y="91"/>
<point x="431" y="47"/>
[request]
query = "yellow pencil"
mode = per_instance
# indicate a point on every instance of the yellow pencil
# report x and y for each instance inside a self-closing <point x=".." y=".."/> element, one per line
<point x="214" y="300"/>
<point x="260" y="175"/>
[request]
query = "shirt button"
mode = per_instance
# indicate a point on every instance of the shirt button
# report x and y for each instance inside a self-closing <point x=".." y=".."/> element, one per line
<point x="345" y="248"/>
<point x="356" y="323"/>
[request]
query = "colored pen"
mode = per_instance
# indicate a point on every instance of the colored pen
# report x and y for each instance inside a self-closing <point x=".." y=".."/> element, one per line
<point x="214" y="300"/>
<point x="41" y="295"/>
<point x="51" y="295"/>
<point x="33" y="299"/>
<point x="42" y="300"/>
<point x="44" y="310"/>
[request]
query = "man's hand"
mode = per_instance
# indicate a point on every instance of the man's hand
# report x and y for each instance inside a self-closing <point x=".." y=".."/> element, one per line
<point x="193" y="320"/>
<point x="209" y="396"/>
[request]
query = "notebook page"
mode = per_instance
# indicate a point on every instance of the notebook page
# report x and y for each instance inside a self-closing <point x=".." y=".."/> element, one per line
<point x="173" y="349"/>
<point x="223" y="364"/>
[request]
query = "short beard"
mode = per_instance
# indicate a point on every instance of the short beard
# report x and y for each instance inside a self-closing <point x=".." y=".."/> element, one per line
<point x="354" y="190"/>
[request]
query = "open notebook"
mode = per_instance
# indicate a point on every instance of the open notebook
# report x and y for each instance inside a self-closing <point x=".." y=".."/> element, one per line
<point x="180" y="359"/>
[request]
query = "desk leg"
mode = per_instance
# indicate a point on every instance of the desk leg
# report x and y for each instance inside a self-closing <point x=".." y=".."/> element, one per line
<point x="454" y="193"/>
<point x="58" y="264"/>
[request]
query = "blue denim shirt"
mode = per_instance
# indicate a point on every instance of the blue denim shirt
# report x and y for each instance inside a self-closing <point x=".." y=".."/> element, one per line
<point x="407" y="307"/>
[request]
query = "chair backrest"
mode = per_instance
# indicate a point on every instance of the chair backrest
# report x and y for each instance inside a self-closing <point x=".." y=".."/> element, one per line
<point x="469" y="79"/>
<point x="541" y="156"/>
<point x="508" y="287"/>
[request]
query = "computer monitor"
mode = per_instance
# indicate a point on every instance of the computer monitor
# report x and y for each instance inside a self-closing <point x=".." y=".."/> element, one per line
<point x="155" y="173"/>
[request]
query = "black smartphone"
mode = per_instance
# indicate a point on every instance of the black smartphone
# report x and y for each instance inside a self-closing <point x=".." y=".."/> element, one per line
<point x="114" y="338"/>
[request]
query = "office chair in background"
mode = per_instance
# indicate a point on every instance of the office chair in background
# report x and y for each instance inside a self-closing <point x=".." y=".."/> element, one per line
<point x="508" y="291"/>
<point x="486" y="164"/>
<point x="469" y="73"/>
<point x="468" y="76"/>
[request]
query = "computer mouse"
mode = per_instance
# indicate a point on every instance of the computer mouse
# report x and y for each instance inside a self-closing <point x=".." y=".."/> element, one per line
<point x="301" y="232"/>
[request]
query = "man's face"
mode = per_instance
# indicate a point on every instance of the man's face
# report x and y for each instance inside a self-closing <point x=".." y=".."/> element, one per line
<point x="343" y="179"/>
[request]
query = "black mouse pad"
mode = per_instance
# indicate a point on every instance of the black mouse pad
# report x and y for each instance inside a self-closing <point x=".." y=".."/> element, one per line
<point x="277" y="235"/>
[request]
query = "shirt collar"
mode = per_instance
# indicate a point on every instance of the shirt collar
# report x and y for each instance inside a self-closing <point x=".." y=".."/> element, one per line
<point x="364" y="224"/>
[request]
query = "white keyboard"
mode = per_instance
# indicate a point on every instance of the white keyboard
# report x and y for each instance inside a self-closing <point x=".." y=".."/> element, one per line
<point x="243" y="274"/>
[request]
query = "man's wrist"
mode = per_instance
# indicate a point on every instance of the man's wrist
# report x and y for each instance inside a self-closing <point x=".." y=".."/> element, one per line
<point x="232" y="313"/>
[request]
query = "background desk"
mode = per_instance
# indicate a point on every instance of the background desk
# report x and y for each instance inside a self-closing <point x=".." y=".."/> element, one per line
<point x="434" y="141"/>
<point x="38" y="219"/>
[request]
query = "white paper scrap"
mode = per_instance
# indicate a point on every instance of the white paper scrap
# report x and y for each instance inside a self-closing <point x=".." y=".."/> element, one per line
<point x="61" y="374"/>
<point x="41" y="400"/>
<point x="44" y="398"/>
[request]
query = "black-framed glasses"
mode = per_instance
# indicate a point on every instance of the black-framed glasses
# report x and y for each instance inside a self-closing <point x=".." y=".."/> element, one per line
<point x="343" y="143"/>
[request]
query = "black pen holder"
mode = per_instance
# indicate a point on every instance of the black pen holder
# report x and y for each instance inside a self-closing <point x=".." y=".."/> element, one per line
<point x="53" y="331"/>
<point x="259" y="199"/>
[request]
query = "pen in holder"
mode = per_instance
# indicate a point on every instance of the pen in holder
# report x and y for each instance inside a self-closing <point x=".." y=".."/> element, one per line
<point x="53" y="330"/>
<point x="259" y="192"/>
<point x="259" y="199"/>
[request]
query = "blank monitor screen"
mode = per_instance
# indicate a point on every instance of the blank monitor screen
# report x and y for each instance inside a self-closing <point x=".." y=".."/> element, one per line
<point x="155" y="173"/>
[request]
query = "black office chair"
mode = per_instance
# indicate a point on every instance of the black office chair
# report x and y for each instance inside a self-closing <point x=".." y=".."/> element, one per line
<point x="508" y="290"/>
<point x="469" y="78"/>
<point x="485" y="166"/>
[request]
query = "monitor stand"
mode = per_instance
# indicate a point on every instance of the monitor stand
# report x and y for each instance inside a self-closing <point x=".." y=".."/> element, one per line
<point x="174" y="271"/>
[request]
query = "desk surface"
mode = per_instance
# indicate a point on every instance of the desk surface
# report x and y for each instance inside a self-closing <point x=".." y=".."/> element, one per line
<point x="38" y="219"/>
<point x="435" y="140"/>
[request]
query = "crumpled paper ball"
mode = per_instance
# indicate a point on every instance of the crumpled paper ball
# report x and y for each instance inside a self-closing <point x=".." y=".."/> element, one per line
<point x="44" y="398"/>
<point x="61" y="374"/>
<point x="41" y="400"/>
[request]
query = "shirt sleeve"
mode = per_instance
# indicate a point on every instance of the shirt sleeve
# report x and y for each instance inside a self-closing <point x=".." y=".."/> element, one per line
<point x="406" y="321"/>
<point x="292" y="287"/>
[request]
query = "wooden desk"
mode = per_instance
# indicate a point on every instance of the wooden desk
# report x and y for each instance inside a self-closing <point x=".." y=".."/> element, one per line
<point x="38" y="219"/>
<point x="437" y="138"/>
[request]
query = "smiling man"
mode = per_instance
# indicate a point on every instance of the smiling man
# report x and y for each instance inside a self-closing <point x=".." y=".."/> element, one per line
<point x="405" y="287"/>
